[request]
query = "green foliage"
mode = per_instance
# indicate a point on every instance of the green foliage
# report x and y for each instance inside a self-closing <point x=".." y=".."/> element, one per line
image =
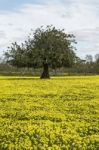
<point x="50" y="43"/>
<point x="16" y="55"/>
<point x="57" y="114"/>
<point x="54" y="45"/>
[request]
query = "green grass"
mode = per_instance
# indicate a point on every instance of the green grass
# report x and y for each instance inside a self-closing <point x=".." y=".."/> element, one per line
<point x="57" y="114"/>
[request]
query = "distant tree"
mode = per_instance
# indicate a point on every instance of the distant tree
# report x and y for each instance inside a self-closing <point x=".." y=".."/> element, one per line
<point x="45" y="47"/>
<point x="97" y="58"/>
<point x="89" y="59"/>
<point x="14" y="55"/>
<point x="96" y="64"/>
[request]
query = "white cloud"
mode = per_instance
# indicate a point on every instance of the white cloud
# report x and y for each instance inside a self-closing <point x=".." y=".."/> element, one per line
<point x="78" y="17"/>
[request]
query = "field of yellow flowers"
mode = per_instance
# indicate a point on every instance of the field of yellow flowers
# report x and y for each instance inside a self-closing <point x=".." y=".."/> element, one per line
<point x="61" y="113"/>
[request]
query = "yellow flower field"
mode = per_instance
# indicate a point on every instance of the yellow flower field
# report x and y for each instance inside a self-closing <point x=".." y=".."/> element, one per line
<point x="57" y="114"/>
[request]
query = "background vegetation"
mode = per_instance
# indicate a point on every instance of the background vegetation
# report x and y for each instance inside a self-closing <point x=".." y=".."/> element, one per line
<point x="82" y="67"/>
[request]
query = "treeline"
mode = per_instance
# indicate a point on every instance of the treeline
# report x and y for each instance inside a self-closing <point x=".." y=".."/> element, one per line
<point x="87" y="66"/>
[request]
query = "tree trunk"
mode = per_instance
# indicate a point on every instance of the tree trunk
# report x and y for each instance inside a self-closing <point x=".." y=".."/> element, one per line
<point x="45" y="74"/>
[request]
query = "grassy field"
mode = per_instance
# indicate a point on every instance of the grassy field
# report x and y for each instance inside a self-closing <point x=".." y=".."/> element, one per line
<point x="57" y="114"/>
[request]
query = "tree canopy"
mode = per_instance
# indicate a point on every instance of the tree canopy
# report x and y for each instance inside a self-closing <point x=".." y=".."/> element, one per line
<point x="48" y="43"/>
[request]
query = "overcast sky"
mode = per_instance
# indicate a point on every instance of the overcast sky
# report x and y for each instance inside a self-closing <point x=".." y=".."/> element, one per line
<point x="80" y="17"/>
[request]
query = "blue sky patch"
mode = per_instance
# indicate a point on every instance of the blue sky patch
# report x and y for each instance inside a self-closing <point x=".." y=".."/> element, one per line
<point x="13" y="4"/>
